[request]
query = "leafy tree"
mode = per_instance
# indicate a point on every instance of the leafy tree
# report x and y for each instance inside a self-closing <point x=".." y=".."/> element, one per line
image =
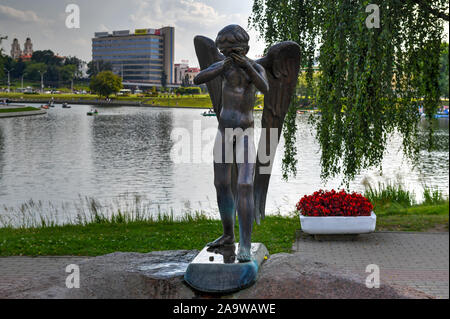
<point x="67" y="72"/>
<point x="443" y="78"/>
<point x="47" y="57"/>
<point x="1" y="56"/>
<point x="95" y="67"/>
<point x="307" y="89"/>
<point x="33" y="70"/>
<point x="372" y="80"/>
<point x="106" y="83"/>
<point x="18" y="68"/>
<point x="78" y="63"/>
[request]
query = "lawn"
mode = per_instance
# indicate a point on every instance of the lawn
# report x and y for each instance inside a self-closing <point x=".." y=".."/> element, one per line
<point x="277" y="233"/>
<point x="20" y="109"/>
<point x="199" y="101"/>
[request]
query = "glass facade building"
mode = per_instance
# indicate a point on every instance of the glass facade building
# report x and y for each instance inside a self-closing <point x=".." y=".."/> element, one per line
<point x="139" y="57"/>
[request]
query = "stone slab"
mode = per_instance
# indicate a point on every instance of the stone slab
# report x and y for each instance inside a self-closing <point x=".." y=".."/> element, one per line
<point x="216" y="270"/>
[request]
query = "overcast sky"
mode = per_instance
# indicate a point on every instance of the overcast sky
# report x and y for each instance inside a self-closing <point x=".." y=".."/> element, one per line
<point x="44" y="22"/>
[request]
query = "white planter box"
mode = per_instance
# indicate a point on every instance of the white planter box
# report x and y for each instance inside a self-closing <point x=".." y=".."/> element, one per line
<point x="333" y="225"/>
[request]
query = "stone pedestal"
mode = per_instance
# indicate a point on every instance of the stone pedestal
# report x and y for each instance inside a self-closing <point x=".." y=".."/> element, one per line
<point x="216" y="270"/>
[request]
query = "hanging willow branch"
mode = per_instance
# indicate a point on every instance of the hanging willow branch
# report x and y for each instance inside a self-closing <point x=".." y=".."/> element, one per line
<point x="372" y="81"/>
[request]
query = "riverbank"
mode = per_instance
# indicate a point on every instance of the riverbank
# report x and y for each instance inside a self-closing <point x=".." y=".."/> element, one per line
<point x="106" y="235"/>
<point x="201" y="101"/>
<point x="19" y="110"/>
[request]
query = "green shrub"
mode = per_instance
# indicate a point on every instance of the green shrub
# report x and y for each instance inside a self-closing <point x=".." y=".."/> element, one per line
<point x="386" y="195"/>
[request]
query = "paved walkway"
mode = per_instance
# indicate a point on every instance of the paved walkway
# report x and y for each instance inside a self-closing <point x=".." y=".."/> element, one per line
<point x="417" y="260"/>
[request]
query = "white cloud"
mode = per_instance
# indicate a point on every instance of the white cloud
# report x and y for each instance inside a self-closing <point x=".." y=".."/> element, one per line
<point x="19" y="15"/>
<point x="103" y="28"/>
<point x="190" y="18"/>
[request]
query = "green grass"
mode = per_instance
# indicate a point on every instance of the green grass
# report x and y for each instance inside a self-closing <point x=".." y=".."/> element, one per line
<point x="198" y="101"/>
<point x="397" y="210"/>
<point x="424" y="217"/>
<point x="387" y="194"/>
<point x="20" y="109"/>
<point x="138" y="236"/>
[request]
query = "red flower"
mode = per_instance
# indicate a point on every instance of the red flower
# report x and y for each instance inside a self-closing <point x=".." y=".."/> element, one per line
<point x="332" y="203"/>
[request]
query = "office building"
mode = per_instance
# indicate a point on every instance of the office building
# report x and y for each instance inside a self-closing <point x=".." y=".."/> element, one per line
<point x="141" y="57"/>
<point x="184" y="75"/>
<point x="180" y="72"/>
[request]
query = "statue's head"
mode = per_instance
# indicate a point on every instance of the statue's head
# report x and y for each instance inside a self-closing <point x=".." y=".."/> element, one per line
<point x="233" y="38"/>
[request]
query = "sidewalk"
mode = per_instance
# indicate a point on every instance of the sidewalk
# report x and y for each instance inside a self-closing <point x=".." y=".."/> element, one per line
<point x="417" y="260"/>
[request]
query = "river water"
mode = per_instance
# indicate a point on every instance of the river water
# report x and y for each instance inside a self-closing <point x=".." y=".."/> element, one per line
<point x="57" y="160"/>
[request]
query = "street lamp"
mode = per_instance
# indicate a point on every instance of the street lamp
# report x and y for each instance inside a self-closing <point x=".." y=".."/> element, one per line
<point x="9" y="82"/>
<point x="42" y="80"/>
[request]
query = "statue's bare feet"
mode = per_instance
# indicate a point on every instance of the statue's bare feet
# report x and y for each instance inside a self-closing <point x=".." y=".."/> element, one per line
<point x="243" y="254"/>
<point x="223" y="240"/>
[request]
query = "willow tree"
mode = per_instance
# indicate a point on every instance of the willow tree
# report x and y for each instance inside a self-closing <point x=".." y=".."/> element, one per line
<point x="373" y="78"/>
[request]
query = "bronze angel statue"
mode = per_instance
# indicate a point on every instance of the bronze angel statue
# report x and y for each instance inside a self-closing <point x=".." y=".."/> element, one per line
<point x="241" y="174"/>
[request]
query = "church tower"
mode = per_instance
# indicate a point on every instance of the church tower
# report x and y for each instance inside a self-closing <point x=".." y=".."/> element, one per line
<point x="15" y="49"/>
<point x="28" y="47"/>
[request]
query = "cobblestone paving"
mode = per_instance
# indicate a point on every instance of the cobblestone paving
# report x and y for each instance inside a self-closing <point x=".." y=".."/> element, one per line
<point x="417" y="260"/>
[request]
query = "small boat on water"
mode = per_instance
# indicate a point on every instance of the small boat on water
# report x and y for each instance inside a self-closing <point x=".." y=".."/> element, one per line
<point x="44" y="107"/>
<point x="66" y="106"/>
<point x="92" y="112"/>
<point x="438" y="115"/>
<point x="209" y="113"/>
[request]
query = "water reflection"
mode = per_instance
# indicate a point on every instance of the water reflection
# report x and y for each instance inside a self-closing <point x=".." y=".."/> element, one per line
<point x="131" y="152"/>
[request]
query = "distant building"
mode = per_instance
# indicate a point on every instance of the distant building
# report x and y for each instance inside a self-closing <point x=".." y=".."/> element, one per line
<point x="15" y="49"/>
<point x="180" y="71"/>
<point x="28" y="48"/>
<point x="184" y="75"/>
<point x="139" y="57"/>
<point x="27" y="52"/>
<point x="190" y="74"/>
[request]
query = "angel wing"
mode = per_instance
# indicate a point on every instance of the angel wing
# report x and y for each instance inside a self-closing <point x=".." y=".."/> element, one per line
<point x="282" y="64"/>
<point x="207" y="54"/>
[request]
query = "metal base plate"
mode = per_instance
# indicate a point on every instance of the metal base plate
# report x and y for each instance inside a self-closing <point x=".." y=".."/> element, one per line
<point x="216" y="270"/>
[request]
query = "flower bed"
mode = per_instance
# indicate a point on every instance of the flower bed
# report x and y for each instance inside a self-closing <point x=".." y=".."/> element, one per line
<point x="336" y="213"/>
<point x="332" y="203"/>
